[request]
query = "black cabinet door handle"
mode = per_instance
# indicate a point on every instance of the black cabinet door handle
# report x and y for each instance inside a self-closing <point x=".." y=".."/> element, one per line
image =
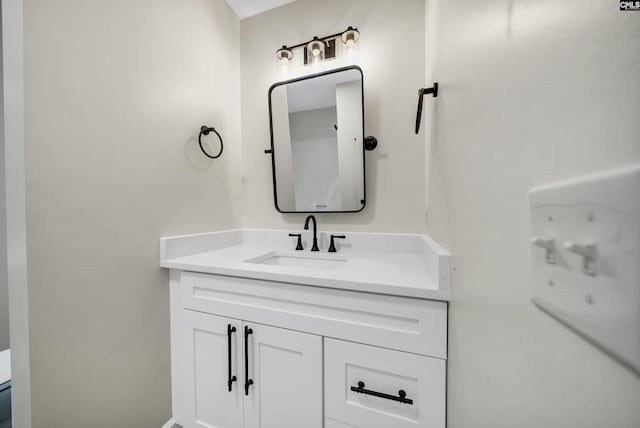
<point x="230" y="379"/>
<point x="402" y="395"/>
<point x="247" y="382"/>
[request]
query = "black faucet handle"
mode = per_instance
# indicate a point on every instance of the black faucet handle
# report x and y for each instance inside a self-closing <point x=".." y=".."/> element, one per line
<point x="299" y="235"/>
<point x="332" y="245"/>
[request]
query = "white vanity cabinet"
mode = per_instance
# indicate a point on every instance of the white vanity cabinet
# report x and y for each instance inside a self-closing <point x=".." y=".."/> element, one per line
<point x="360" y="345"/>
<point x="303" y="357"/>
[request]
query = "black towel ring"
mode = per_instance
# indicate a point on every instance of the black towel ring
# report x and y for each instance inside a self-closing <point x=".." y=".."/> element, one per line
<point x="204" y="130"/>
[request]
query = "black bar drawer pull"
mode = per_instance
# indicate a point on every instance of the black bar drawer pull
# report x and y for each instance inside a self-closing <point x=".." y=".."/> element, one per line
<point x="230" y="379"/>
<point x="247" y="382"/>
<point x="402" y="395"/>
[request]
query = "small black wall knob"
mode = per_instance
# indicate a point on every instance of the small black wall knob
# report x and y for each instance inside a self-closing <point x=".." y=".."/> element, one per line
<point x="370" y="143"/>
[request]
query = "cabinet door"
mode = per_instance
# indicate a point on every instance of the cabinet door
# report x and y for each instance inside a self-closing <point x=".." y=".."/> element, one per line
<point x="286" y="369"/>
<point x="210" y="403"/>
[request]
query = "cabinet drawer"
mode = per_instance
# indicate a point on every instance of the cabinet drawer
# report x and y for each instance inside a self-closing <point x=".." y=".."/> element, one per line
<point x="382" y="373"/>
<point x="413" y="325"/>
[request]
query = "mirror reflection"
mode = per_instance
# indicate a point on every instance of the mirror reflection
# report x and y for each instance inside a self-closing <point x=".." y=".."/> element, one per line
<point x="317" y="136"/>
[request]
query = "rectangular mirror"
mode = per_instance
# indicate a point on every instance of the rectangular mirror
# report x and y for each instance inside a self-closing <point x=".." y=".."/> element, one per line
<point x="317" y="133"/>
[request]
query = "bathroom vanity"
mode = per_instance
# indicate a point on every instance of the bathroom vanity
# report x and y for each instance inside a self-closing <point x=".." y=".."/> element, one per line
<point x="263" y="335"/>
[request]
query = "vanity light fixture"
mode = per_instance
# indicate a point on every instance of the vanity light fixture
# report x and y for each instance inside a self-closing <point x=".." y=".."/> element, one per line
<point x="350" y="37"/>
<point x="284" y="55"/>
<point x="320" y="48"/>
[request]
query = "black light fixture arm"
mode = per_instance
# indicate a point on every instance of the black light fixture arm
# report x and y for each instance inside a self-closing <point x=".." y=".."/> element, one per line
<point x="205" y="130"/>
<point x="421" y="93"/>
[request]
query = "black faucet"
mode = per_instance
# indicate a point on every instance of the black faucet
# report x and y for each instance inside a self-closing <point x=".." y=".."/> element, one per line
<point x="314" y="247"/>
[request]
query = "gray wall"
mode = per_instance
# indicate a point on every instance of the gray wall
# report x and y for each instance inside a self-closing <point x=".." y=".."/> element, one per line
<point x="531" y="92"/>
<point x="115" y="94"/>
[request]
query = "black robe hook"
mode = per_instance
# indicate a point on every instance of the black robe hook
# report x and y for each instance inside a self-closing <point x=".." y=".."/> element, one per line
<point x="421" y="93"/>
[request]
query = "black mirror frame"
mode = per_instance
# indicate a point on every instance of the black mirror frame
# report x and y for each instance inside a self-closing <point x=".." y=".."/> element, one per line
<point x="273" y="154"/>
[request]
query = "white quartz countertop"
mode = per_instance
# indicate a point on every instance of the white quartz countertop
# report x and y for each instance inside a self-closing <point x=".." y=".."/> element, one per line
<point x="393" y="264"/>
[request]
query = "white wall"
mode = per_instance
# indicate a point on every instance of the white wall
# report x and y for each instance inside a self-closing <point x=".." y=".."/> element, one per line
<point x="391" y="54"/>
<point x="531" y="92"/>
<point x="115" y="94"/>
<point x="4" y="279"/>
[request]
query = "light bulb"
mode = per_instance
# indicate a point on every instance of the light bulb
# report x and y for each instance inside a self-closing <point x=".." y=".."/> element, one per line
<point x="315" y="48"/>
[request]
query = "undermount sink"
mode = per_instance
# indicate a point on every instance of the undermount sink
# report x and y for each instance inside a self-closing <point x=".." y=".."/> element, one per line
<point x="305" y="260"/>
